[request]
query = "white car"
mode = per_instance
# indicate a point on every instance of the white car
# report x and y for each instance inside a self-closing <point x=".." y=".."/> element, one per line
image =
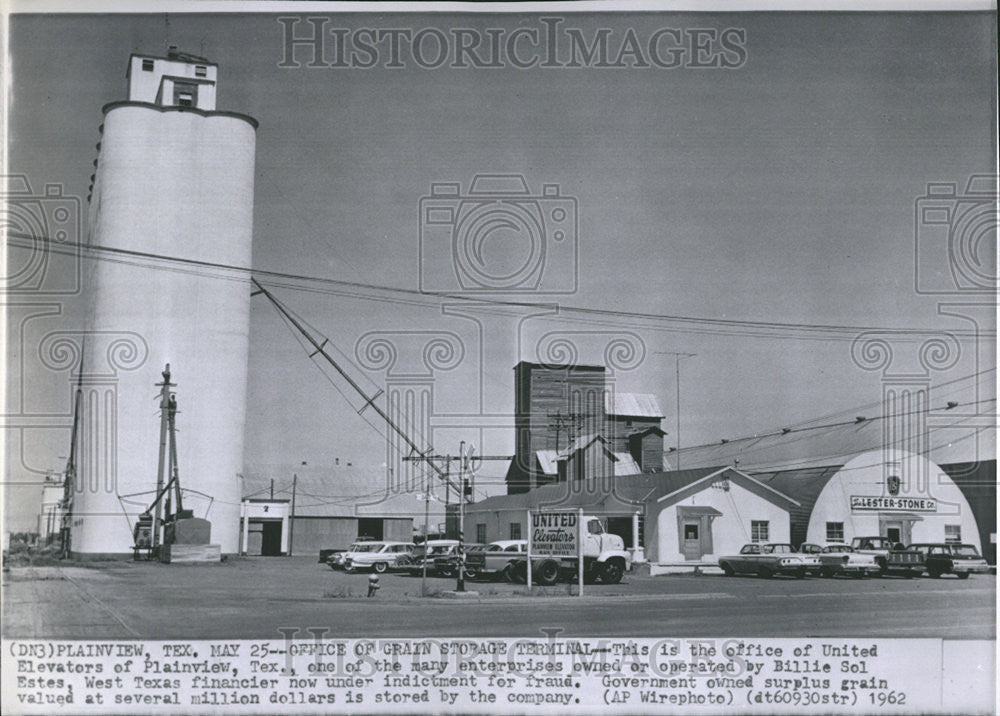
<point x="377" y="556"/>
<point x="842" y="559"/>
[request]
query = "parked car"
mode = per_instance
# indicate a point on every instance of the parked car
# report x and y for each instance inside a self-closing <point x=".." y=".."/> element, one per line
<point x="495" y="559"/>
<point x="842" y="559"/>
<point x="336" y="557"/>
<point x="947" y="558"/>
<point x="891" y="557"/>
<point x="767" y="560"/>
<point x="377" y="556"/>
<point x="413" y="562"/>
<point x="446" y="565"/>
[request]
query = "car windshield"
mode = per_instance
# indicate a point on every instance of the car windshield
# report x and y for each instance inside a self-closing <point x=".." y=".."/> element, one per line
<point x="494" y="548"/>
<point x="965" y="550"/>
<point x="367" y="547"/>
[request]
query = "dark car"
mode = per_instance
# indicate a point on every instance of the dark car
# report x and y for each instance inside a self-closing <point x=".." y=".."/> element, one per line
<point x="446" y="565"/>
<point x="947" y="558"/>
<point x="413" y="563"/>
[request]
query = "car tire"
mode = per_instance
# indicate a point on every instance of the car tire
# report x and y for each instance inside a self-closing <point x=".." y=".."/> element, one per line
<point x="827" y="572"/>
<point x="727" y="569"/>
<point x="963" y="575"/>
<point x="380" y="567"/>
<point x="765" y="573"/>
<point x="612" y="572"/>
<point x="909" y="574"/>
<point x="883" y="566"/>
<point x="934" y="574"/>
<point x="547" y="573"/>
<point x="800" y="574"/>
<point x="471" y="572"/>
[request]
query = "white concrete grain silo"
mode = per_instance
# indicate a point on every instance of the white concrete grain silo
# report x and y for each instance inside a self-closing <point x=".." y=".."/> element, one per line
<point x="171" y="203"/>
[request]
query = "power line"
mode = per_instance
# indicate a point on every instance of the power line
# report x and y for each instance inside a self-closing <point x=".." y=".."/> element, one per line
<point x="358" y="289"/>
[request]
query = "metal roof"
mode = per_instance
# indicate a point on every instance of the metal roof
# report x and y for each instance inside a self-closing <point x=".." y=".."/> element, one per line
<point x="635" y="405"/>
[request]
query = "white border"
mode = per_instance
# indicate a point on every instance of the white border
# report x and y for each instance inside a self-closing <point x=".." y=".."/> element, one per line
<point x="584" y="6"/>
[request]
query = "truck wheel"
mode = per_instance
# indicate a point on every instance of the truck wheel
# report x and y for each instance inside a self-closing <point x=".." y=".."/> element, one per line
<point x="612" y="572"/>
<point x="514" y="573"/>
<point x="727" y="569"/>
<point x="800" y="573"/>
<point x="963" y="575"/>
<point x="765" y="573"/>
<point x="826" y="572"/>
<point x="909" y="574"/>
<point x="934" y="574"/>
<point x="547" y="573"/>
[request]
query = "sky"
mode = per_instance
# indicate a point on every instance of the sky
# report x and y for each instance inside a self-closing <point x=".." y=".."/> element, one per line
<point x="780" y="191"/>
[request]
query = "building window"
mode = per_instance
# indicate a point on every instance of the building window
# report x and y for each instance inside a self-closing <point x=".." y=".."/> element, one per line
<point x="185" y="94"/>
<point x="759" y="530"/>
<point x="481" y="534"/>
<point x="953" y="534"/>
<point x="835" y="532"/>
<point x="515" y="530"/>
<point x="147" y="65"/>
<point x="200" y="71"/>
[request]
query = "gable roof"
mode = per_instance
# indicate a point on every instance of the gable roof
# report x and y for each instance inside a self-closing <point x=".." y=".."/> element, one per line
<point x="635" y="405"/>
<point x="766" y="491"/>
<point x="628" y="495"/>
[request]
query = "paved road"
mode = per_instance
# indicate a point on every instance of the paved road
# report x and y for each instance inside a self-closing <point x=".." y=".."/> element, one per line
<point x="254" y="598"/>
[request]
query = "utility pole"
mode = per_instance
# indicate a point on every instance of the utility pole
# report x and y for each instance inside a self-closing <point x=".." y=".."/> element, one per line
<point x="427" y="519"/>
<point x="466" y="459"/>
<point x="291" y="520"/>
<point x="463" y="463"/>
<point x="165" y="387"/>
<point x="677" y="367"/>
<point x="446" y="459"/>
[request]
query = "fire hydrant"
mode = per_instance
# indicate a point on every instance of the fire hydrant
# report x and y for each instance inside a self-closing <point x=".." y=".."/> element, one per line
<point x="372" y="585"/>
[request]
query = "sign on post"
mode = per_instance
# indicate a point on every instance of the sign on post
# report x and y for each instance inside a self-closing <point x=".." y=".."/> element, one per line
<point x="555" y="534"/>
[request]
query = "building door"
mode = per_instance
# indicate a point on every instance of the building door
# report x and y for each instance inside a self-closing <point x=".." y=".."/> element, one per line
<point x="370" y="529"/>
<point x="894" y="531"/>
<point x="270" y="543"/>
<point x="691" y="543"/>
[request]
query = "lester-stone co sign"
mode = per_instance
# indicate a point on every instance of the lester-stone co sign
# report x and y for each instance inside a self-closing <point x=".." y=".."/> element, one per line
<point x="862" y="503"/>
<point x="554" y="534"/>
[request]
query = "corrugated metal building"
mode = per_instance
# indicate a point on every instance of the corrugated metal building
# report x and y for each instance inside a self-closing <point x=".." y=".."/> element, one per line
<point x="334" y="506"/>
